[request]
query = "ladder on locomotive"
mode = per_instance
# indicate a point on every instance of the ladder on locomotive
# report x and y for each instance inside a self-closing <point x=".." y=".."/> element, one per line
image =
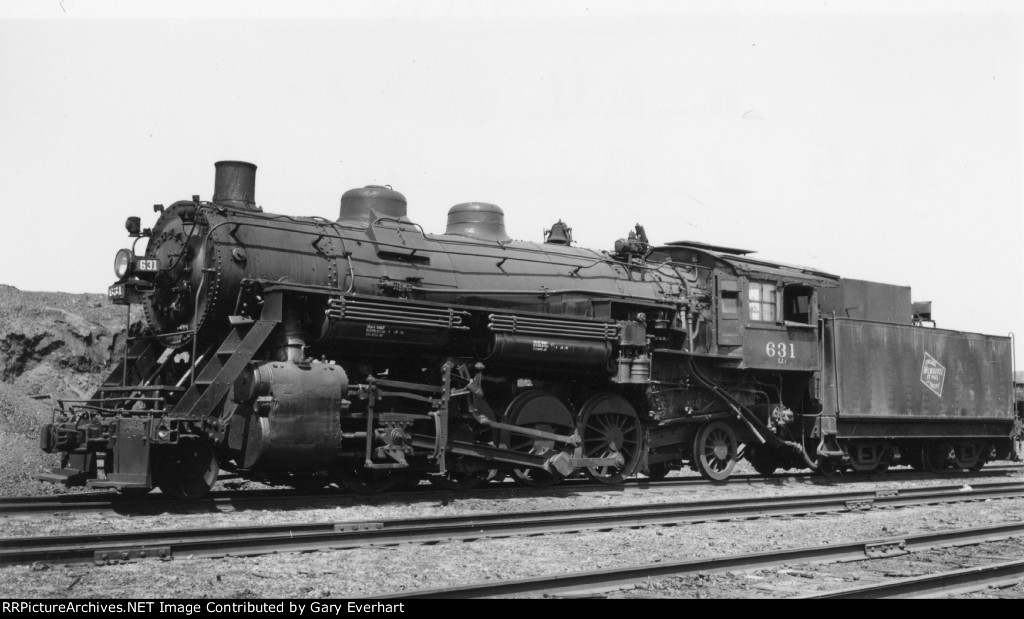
<point x="136" y="374"/>
<point x="213" y="382"/>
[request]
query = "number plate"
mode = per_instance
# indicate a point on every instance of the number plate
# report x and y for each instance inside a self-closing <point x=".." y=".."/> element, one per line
<point x="147" y="265"/>
<point x="115" y="292"/>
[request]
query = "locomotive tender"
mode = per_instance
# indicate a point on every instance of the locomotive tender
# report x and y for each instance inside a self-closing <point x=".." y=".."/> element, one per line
<point x="368" y="352"/>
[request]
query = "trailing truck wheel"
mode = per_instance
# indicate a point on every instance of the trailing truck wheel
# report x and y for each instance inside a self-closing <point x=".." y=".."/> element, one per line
<point x="609" y="426"/>
<point x="714" y="451"/>
<point x="187" y="470"/>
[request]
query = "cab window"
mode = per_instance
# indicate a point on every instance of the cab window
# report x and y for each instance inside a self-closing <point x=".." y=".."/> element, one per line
<point x="761" y="301"/>
<point x="797" y="304"/>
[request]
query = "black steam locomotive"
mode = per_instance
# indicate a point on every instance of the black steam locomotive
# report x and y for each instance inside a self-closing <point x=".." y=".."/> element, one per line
<point x="367" y="352"/>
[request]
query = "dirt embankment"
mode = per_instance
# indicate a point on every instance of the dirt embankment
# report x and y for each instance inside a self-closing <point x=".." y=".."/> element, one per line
<point x="51" y="344"/>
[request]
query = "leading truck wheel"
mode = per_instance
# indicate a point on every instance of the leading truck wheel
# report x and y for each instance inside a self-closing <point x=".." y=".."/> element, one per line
<point x="187" y="470"/>
<point x="714" y="451"/>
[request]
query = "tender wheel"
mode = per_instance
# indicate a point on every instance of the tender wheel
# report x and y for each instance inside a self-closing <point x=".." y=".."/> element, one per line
<point x="714" y="451"/>
<point x="935" y="458"/>
<point x="610" y="427"/>
<point x="538" y="410"/>
<point x="868" y="457"/>
<point x="187" y="470"/>
<point x="970" y="456"/>
<point x="912" y="458"/>
<point x="359" y="479"/>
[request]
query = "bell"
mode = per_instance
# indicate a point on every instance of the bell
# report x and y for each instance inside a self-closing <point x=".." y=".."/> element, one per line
<point x="559" y="234"/>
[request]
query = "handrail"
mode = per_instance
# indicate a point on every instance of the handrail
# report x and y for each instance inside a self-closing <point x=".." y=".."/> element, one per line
<point x="195" y="329"/>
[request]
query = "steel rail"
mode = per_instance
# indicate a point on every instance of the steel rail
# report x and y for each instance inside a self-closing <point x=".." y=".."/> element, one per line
<point x="578" y="583"/>
<point x="229" y="500"/>
<point x="945" y="583"/>
<point x="304" y="537"/>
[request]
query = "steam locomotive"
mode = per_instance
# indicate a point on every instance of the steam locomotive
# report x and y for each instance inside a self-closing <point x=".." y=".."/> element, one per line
<point x="366" y="352"/>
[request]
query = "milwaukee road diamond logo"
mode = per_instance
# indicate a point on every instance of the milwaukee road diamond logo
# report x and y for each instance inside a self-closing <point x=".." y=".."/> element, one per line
<point x="933" y="374"/>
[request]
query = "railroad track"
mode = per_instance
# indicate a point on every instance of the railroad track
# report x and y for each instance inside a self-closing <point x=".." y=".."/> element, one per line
<point x="305" y="537"/>
<point x="953" y="582"/>
<point x="232" y="500"/>
<point x="589" y="583"/>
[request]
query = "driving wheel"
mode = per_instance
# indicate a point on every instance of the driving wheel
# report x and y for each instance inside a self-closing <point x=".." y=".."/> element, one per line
<point x="538" y="410"/>
<point x="610" y="428"/>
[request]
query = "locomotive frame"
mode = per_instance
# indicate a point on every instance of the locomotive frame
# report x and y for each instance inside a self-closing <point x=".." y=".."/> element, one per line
<point x="367" y="352"/>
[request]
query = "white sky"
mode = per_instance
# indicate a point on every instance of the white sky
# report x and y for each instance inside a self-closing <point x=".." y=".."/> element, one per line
<point x="878" y="141"/>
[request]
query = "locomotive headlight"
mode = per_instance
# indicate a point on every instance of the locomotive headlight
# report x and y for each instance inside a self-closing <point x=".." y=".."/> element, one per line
<point x="123" y="263"/>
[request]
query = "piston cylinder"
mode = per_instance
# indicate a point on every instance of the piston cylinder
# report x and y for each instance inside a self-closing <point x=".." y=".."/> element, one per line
<point x="289" y="415"/>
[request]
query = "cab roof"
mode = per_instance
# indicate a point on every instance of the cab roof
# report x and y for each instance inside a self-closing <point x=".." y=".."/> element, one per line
<point x="741" y="263"/>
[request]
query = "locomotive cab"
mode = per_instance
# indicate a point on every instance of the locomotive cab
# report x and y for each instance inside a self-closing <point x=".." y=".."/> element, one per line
<point x="765" y="314"/>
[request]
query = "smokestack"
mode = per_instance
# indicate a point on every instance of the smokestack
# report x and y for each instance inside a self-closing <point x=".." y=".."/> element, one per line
<point x="235" y="185"/>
